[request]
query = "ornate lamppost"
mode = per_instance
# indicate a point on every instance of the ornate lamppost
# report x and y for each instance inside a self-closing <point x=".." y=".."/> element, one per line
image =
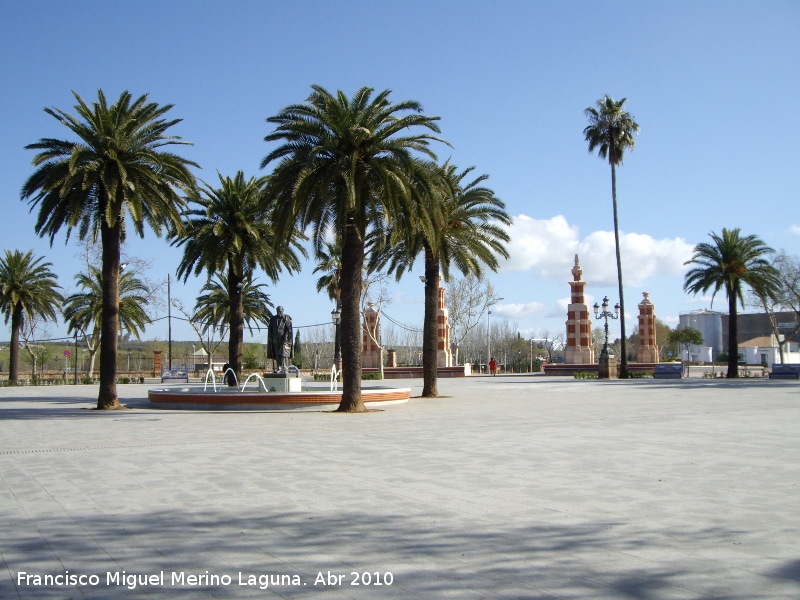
<point x="607" y="362"/>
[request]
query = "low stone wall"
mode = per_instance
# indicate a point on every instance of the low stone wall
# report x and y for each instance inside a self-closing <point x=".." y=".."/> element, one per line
<point x="416" y="372"/>
<point x="565" y="370"/>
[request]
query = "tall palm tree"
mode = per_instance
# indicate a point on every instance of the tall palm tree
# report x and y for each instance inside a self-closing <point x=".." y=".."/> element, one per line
<point x="83" y="311"/>
<point x="27" y="289"/>
<point x="230" y="231"/>
<point x="347" y="165"/>
<point x="610" y="131"/>
<point x="118" y="170"/>
<point x="730" y="263"/>
<point x="467" y="232"/>
<point x="213" y="308"/>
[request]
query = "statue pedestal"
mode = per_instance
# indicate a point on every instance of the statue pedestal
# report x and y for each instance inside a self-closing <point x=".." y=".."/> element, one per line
<point x="280" y="382"/>
<point x="607" y="367"/>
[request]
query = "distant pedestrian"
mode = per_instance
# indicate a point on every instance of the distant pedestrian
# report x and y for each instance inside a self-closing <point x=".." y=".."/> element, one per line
<point x="492" y="367"/>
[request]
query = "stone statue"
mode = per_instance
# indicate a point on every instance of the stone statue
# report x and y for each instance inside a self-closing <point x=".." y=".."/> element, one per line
<point x="280" y="340"/>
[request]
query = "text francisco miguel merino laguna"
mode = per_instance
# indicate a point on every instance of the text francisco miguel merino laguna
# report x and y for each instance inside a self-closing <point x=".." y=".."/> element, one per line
<point x="183" y="579"/>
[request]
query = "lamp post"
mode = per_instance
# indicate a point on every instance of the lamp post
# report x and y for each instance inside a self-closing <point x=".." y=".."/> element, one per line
<point x="607" y="362"/>
<point x="336" y="317"/>
<point x="489" y="331"/>
<point x="194" y="359"/>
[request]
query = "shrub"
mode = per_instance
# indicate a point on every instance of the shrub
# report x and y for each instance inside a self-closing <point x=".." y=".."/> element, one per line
<point x="370" y="376"/>
<point x="639" y="374"/>
<point x="586" y="375"/>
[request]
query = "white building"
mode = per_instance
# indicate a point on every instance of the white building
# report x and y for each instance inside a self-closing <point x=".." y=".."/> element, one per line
<point x="697" y="354"/>
<point x="764" y="350"/>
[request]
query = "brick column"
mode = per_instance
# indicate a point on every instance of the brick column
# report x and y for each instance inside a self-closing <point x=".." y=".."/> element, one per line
<point x="579" y="325"/>
<point x="647" y="352"/>
<point x="156" y="363"/>
<point x="370" y="356"/>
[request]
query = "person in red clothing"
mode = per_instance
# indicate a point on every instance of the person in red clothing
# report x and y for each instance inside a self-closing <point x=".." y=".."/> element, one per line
<point x="492" y="367"/>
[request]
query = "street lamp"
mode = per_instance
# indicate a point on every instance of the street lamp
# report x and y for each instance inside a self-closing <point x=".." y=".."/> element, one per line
<point x="489" y="331"/>
<point x="336" y="317"/>
<point x="194" y="359"/>
<point x="606" y="314"/>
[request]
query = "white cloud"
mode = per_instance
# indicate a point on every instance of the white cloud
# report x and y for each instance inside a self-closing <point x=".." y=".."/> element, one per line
<point x="705" y="300"/>
<point x="548" y="247"/>
<point x="669" y="320"/>
<point x="403" y="298"/>
<point x="795" y="229"/>
<point x="517" y="311"/>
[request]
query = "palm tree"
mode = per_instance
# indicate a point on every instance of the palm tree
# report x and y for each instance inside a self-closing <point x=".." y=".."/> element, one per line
<point x="27" y="289"/>
<point x="347" y="165"/>
<point x="329" y="263"/>
<point x="213" y="308"/>
<point x="117" y="170"/>
<point x="467" y="232"/>
<point x="231" y="232"/>
<point x="83" y="311"/>
<point x="732" y="262"/>
<point x="611" y="131"/>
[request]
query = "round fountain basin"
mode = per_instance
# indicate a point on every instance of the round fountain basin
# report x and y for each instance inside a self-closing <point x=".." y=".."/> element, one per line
<point x="320" y="398"/>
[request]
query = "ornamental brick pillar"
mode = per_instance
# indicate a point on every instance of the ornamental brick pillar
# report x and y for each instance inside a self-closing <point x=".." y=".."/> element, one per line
<point x="579" y="325"/>
<point x="370" y="355"/>
<point x="647" y="351"/>
<point x="444" y="354"/>
<point x="156" y="363"/>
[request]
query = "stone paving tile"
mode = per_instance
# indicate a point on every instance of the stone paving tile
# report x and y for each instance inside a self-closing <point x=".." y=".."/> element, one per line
<point x="515" y="487"/>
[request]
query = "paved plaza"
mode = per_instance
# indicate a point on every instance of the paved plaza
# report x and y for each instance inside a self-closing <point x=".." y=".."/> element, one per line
<point x="509" y="487"/>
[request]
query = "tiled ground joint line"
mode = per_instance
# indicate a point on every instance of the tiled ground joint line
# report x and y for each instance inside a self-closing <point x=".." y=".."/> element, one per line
<point x="83" y="448"/>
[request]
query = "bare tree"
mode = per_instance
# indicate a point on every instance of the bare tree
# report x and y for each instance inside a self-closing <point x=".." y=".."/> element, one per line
<point x="467" y="300"/>
<point x="214" y="334"/>
<point x="786" y="300"/>
<point x="375" y="294"/>
<point x="551" y="343"/>
<point x="32" y="328"/>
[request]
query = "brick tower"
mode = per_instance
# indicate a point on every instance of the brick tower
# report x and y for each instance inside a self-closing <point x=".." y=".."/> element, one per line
<point x="648" y="350"/>
<point x="444" y="353"/>
<point x="370" y="355"/>
<point x="579" y="324"/>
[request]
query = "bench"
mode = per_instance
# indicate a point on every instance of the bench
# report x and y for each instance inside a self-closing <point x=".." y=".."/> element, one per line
<point x="175" y="375"/>
<point x="785" y="372"/>
<point x="670" y="370"/>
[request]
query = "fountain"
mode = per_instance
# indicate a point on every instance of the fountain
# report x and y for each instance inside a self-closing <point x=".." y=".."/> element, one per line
<point x="279" y="390"/>
<point x="221" y="396"/>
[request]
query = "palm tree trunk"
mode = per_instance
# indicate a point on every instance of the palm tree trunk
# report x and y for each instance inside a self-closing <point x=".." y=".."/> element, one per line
<point x="110" y="239"/>
<point x="236" y="335"/>
<point x="623" y="366"/>
<point x="733" y="334"/>
<point x="352" y="267"/>
<point x="13" y="359"/>
<point x="430" y="347"/>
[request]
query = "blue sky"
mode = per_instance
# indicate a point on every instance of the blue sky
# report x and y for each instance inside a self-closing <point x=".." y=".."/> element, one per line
<point x="713" y="85"/>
